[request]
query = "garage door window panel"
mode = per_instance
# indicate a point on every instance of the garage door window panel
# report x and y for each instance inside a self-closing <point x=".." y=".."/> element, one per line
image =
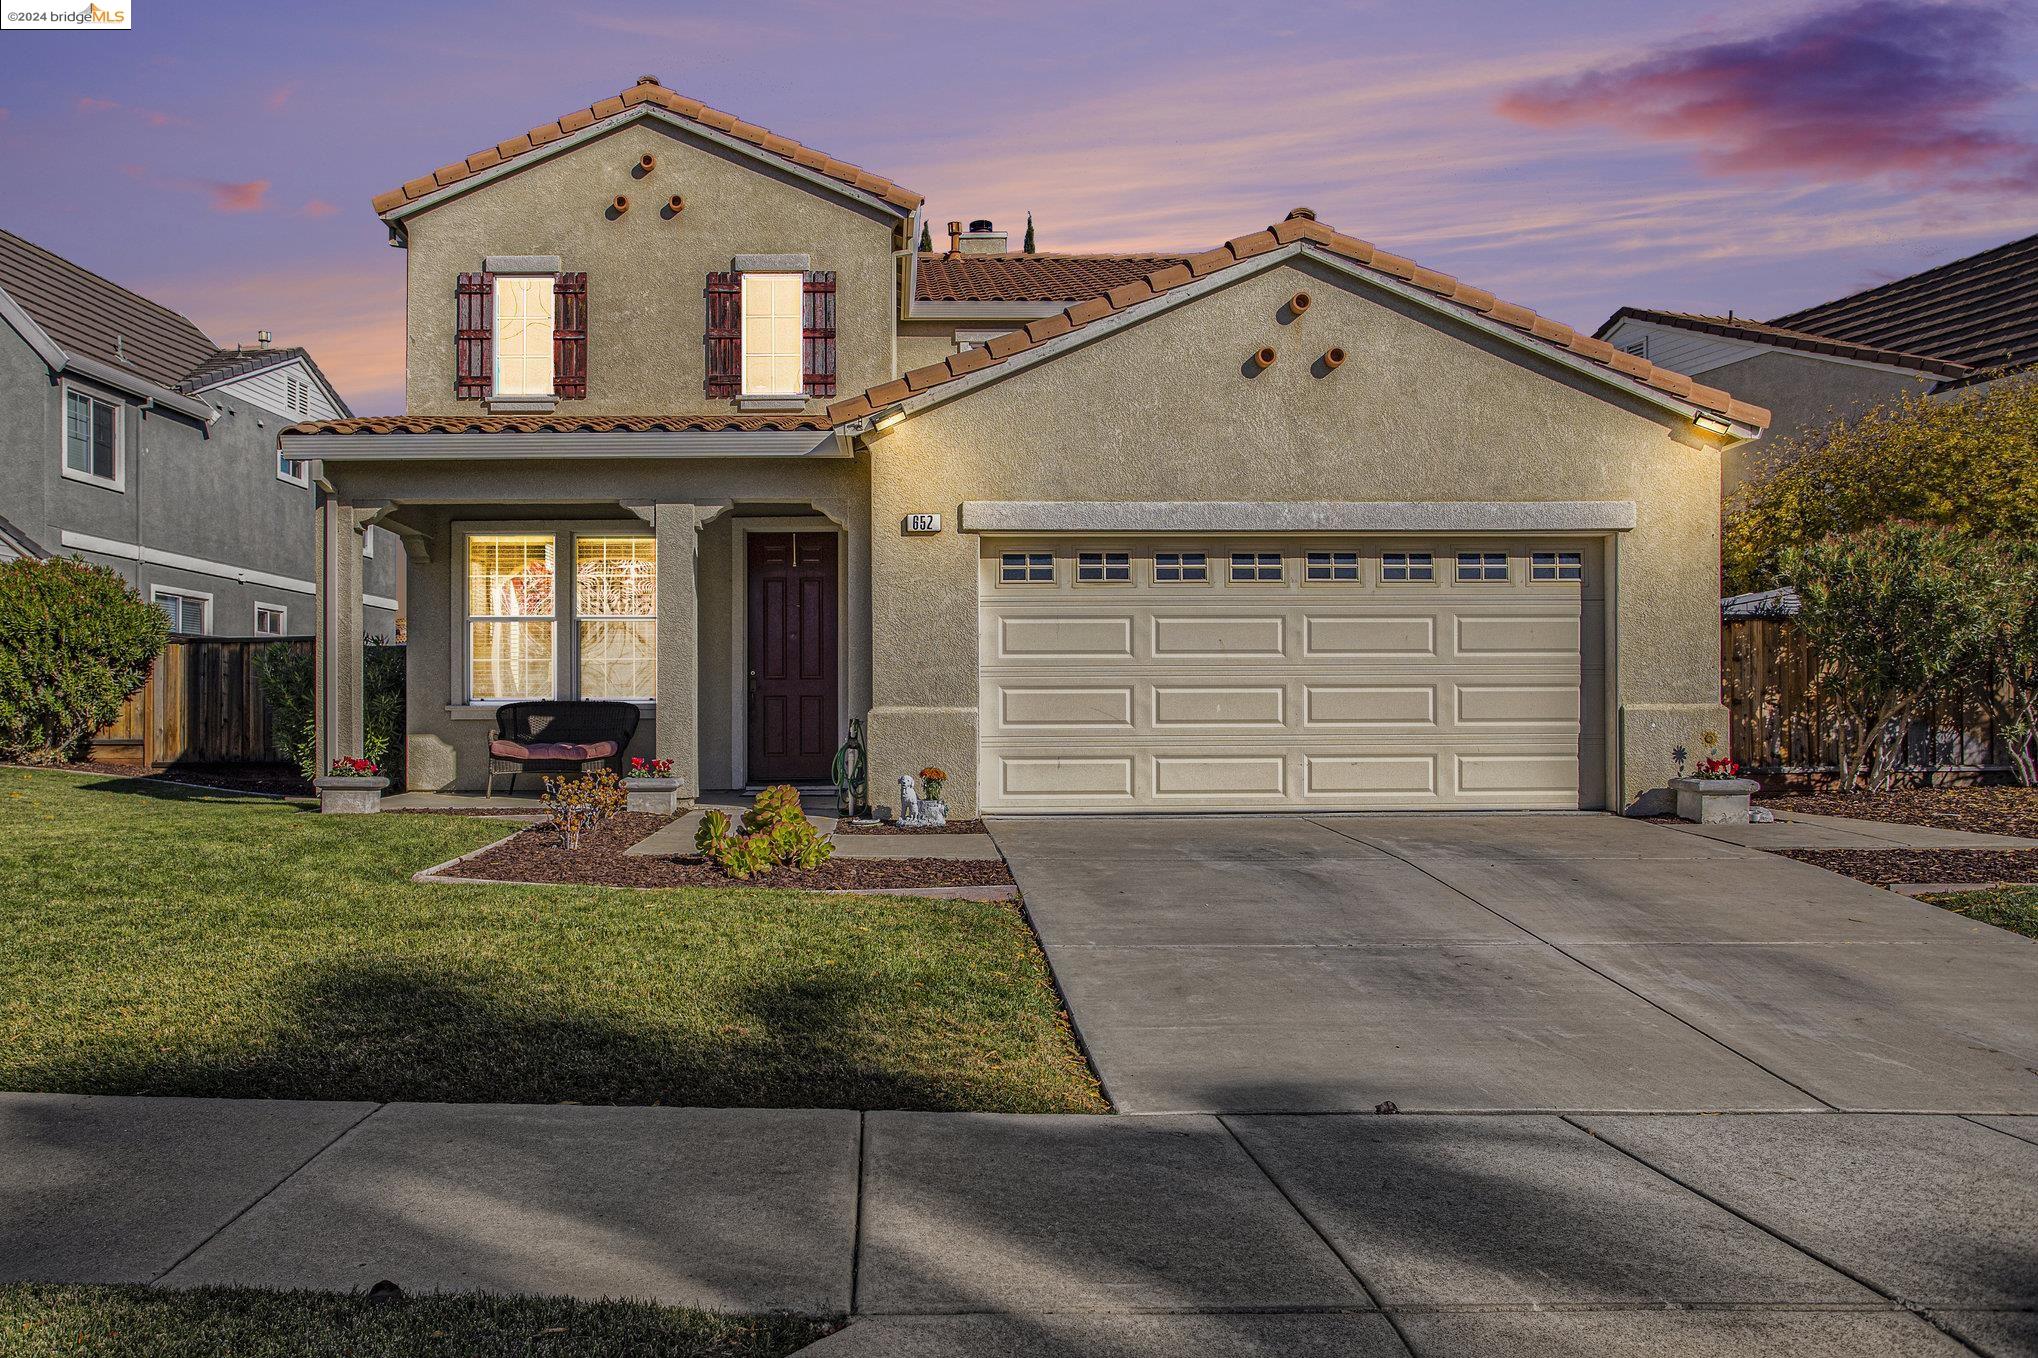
<point x="1332" y="567"/>
<point x="1261" y="568"/>
<point x="1482" y="567"/>
<point x="1026" y="568"/>
<point x="1181" y="568"/>
<point x="1407" y="568"/>
<point x="1103" y="568"/>
<point x="1557" y="567"/>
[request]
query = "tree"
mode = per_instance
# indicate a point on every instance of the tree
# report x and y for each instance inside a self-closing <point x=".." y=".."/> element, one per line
<point x="1966" y="462"/>
<point x="1893" y="614"/>
<point x="926" y="240"/>
<point x="1029" y="234"/>
<point x="75" y="641"/>
<point x="2015" y="617"/>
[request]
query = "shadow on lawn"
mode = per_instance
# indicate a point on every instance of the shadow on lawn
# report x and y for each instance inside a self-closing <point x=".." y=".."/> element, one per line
<point x="389" y="1030"/>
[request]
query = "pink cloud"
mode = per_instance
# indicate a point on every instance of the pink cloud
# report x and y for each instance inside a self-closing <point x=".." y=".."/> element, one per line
<point x="278" y="97"/>
<point x="318" y="207"/>
<point x="1873" y="90"/>
<point x="87" y="104"/>
<point x="247" y="196"/>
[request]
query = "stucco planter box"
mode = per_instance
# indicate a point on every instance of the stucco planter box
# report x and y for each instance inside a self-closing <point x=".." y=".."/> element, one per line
<point x="1714" y="801"/>
<point x="350" y="796"/>
<point x="654" y="796"/>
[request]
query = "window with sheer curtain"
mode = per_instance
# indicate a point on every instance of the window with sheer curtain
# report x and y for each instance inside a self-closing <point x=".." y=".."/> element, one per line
<point x="772" y="335"/>
<point x="512" y="624"/>
<point x="523" y="335"/>
<point x="615" y="609"/>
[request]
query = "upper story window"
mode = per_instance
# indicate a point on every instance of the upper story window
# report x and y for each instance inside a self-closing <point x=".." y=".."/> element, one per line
<point x="772" y="334"/>
<point x="271" y="620"/>
<point x="92" y="436"/>
<point x="292" y="470"/>
<point x="187" y="611"/>
<point x="523" y="334"/>
<point x="1407" y="566"/>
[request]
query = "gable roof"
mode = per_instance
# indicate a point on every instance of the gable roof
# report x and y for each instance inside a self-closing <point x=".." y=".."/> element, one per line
<point x="230" y="365"/>
<point x="1981" y="311"/>
<point x="1303" y="231"/>
<point x="91" y="317"/>
<point x="643" y="98"/>
<point x="1759" y="332"/>
<point x="1028" y="278"/>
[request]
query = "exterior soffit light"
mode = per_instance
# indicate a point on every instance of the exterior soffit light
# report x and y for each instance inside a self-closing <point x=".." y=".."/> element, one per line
<point x="1713" y="424"/>
<point x="897" y="417"/>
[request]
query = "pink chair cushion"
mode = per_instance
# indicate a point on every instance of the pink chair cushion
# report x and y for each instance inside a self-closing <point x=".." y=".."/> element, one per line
<point x="511" y="749"/>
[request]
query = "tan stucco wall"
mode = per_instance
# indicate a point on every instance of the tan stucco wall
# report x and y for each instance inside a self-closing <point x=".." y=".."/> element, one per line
<point x="449" y="750"/>
<point x="645" y="270"/>
<point x="1802" y="393"/>
<point x="1423" y="410"/>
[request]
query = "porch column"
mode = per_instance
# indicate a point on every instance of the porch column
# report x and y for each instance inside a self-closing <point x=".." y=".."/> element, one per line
<point x="677" y="527"/>
<point x="338" y="681"/>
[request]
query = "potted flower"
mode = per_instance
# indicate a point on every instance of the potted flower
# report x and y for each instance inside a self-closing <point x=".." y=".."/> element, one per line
<point x="351" y="787"/>
<point x="926" y="810"/>
<point x="649" y="787"/>
<point x="1715" y="793"/>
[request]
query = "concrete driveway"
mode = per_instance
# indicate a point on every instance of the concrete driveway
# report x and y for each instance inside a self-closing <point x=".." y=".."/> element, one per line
<point x="1567" y="963"/>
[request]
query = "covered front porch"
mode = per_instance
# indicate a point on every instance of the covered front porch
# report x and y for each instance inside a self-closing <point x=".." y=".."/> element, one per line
<point x="726" y="600"/>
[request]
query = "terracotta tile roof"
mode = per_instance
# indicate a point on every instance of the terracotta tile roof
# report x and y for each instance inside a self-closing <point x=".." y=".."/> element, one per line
<point x="1760" y="332"/>
<point x="1981" y="311"/>
<point x="1028" y="278"/>
<point x="557" y="424"/>
<point x="649" y="91"/>
<point x="1297" y="227"/>
<point x="91" y="317"/>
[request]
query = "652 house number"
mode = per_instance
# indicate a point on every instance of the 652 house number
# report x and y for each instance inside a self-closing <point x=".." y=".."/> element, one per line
<point x="923" y="523"/>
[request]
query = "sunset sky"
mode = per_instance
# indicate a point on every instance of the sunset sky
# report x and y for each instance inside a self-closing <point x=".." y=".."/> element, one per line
<point x="1573" y="157"/>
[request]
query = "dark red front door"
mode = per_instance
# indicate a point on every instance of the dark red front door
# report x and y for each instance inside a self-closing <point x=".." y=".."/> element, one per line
<point x="793" y="671"/>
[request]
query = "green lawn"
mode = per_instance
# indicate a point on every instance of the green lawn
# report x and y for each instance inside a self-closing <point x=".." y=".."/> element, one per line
<point x="169" y="941"/>
<point x="2008" y="907"/>
<point x="40" y="1320"/>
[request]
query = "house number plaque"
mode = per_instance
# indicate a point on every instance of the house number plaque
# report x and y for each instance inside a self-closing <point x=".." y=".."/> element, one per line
<point x="923" y="523"/>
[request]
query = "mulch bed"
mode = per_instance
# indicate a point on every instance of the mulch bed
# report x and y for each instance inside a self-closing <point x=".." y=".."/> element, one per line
<point x="539" y="854"/>
<point x="954" y="827"/>
<point x="1986" y="810"/>
<point x="278" y="781"/>
<point x="1885" y="866"/>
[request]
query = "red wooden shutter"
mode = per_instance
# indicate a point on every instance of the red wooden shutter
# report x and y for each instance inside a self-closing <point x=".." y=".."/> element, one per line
<point x="817" y="318"/>
<point x="474" y="336"/>
<point x="725" y="334"/>
<point x="569" y="336"/>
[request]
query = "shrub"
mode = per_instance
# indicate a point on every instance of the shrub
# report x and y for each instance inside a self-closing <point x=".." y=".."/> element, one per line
<point x="1893" y="614"/>
<point x="775" y="833"/>
<point x="289" y="682"/>
<point x="75" y="641"/>
<point x="2015" y="618"/>
<point x="578" y="804"/>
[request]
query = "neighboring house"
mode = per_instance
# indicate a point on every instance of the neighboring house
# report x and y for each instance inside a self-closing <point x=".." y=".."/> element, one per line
<point x="1952" y="328"/>
<point x="1289" y="524"/>
<point x="130" y="439"/>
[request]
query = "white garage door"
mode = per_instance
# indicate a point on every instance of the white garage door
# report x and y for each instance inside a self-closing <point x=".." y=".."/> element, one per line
<point x="1290" y="673"/>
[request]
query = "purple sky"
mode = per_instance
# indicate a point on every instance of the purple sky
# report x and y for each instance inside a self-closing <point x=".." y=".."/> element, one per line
<point x="1571" y="156"/>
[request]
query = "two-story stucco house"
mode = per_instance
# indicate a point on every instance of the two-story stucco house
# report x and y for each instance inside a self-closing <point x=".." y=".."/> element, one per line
<point x="130" y="439"/>
<point x="1292" y="523"/>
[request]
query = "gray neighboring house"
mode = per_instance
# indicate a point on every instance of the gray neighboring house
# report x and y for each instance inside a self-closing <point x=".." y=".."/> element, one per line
<point x="130" y="439"/>
<point x="1952" y="328"/>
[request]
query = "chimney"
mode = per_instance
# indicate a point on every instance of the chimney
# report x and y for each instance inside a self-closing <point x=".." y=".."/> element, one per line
<point x="980" y="239"/>
<point x="954" y="237"/>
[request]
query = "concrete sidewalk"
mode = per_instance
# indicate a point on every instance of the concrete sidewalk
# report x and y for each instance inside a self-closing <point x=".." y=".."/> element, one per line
<point x="1803" y="830"/>
<point x="974" y="1233"/>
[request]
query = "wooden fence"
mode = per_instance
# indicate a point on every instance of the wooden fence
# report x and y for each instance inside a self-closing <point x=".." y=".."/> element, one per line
<point x="202" y="704"/>
<point x="1777" y="723"/>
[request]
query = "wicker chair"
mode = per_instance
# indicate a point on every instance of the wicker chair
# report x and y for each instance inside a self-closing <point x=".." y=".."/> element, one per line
<point x="558" y="737"/>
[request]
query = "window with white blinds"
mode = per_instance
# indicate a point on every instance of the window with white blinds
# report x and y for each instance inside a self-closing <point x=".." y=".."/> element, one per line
<point x="615" y="607"/>
<point x="511" y="625"/>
